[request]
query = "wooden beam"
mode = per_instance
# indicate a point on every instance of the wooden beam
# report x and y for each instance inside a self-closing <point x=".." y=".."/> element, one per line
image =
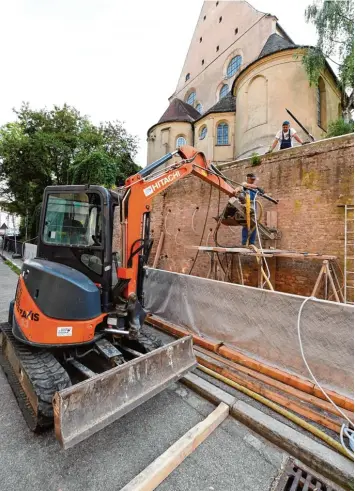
<point x="157" y="471"/>
<point x="158" y="252"/>
<point x="319" y="279"/>
<point x="267" y="252"/>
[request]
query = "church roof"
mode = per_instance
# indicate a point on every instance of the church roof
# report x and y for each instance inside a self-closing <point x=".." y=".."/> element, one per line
<point x="178" y="110"/>
<point x="224" y="105"/>
<point x="275" y="43"/>
<point x="3" y="226"/>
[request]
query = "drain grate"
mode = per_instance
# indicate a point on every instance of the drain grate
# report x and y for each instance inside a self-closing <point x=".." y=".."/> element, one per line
<point x="297" y="479"/>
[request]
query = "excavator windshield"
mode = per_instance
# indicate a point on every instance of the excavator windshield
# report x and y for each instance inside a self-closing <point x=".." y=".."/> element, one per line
<point x="73" y="219"/>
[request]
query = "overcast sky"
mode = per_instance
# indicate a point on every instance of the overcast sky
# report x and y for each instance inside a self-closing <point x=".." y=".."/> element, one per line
<point x="111" y="59"/>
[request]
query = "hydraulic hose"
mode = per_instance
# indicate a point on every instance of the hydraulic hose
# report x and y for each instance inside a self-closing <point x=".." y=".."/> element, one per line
<point x="275" y="407"/>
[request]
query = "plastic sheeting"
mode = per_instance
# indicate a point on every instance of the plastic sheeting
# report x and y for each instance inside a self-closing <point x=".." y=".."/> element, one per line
<point x="260" y="323"/>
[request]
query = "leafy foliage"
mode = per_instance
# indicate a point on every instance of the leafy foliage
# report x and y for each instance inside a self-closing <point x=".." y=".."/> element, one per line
<point x="340" y="127"/>
<point x="334" y="22"/>
<point x="255" y="159"/>
<point x="59" y="146"/>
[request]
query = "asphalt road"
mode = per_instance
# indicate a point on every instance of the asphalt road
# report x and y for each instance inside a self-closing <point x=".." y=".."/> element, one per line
<point x="232" y="458"/>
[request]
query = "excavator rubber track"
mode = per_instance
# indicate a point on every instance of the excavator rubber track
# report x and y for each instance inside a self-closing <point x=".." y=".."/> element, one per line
<point x="34" y="376"/>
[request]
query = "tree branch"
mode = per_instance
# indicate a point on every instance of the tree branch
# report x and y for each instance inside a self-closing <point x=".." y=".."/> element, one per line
<point x="333" y="61"/>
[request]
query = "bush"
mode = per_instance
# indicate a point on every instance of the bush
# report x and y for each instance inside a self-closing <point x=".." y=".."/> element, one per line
<point x="340" y="127"/>
<point x="255" y="159"/>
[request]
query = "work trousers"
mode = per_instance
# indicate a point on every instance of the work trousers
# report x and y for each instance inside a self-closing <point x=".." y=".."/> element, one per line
<point x="245" y="236"/>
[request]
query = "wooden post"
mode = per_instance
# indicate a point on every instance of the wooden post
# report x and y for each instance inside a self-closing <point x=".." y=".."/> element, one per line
<point x="159" y="248"/>
<point x="332" y="283"/>
<point x="322" y="272"/>
<point x="272" y="267"/>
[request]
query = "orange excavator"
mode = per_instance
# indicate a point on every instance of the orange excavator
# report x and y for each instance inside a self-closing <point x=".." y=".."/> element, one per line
<point x="75" y="349"/>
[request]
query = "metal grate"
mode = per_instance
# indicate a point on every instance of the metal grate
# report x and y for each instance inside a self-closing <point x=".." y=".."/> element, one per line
<point x="297" y="479"/>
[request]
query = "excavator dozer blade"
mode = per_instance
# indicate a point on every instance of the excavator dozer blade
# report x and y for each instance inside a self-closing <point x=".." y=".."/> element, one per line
<point x="89" y="406"/>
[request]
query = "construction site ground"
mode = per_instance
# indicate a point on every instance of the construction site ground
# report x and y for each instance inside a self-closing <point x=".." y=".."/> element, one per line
<point x="231" y="458"/>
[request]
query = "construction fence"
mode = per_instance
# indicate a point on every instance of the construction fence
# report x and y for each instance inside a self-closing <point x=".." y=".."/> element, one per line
<point x="260" y="323"/>
<point x="25" y="250"/>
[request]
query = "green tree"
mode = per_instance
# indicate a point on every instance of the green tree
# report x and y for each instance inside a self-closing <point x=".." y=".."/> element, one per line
<point x="334" y="22"/>
<point x="340" y="127"/>
<point x="59" y="146"/>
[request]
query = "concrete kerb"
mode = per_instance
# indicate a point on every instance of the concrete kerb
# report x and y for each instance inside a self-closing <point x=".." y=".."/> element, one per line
<point x="313" y="454"/>
<point x="6" y="257"/>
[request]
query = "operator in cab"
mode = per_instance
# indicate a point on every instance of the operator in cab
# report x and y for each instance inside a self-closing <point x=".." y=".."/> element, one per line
<point x="285" y="137"/>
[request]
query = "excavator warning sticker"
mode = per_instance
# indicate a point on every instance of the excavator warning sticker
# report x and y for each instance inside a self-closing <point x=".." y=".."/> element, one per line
<point x="64" y="331"/>
<point x="148" y="191"/>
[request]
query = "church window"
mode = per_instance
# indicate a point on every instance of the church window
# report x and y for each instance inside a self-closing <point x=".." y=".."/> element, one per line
<point x="222" y="134"/>
<point x="224" y="91"/>
<point x="217" y="48"/>
<point x="236" y="30"/>
<point x="220" y="19"/>
<point x="202" y="62"/>
<point x="234" y="65"/>
<point x="180" y="141"/>
<point x="199" y="107"/>
<point x="191" y="98"/>
<point x="187" y="77"/>
<point x="203" y="133"/>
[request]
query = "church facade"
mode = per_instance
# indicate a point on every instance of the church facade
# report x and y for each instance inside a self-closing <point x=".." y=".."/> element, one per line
<point x="240" y="74"/>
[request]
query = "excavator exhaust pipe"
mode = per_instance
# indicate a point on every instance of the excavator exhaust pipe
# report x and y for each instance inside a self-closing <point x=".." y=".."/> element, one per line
<point x="87" y="407"/>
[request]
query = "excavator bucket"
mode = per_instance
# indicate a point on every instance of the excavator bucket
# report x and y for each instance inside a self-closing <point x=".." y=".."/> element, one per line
<point x="89" y="406"/>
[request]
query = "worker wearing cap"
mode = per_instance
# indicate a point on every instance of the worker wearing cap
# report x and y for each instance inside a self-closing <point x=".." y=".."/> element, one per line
<point x="250" y="187"/>
<point x="285" y="136"/>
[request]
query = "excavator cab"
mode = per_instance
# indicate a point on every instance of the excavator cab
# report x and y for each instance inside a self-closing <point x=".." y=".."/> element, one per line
<point x="76" y="230"/>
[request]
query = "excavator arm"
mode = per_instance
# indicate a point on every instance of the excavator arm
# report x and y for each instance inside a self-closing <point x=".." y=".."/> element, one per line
<point x="137" y="202"/>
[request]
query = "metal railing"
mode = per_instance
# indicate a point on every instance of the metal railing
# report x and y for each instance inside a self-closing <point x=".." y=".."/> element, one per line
<point x="12" y="246"/>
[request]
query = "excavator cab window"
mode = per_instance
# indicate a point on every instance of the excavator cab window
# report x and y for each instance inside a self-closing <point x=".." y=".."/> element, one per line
<point x="73" y="220"/>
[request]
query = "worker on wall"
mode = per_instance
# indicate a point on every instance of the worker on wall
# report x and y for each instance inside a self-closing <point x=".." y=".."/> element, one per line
<point x="285" y="137"/>
<point x="251" y="188"/>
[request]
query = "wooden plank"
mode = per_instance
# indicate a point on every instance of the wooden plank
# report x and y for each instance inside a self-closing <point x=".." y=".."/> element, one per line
<point x="287" y="378"/>
<point x="274" y="396"/>
<point x="157" y="471"/>
<point x="159" y="248"/>
<point x="267" y="252"/>
<point x="180" y="332"/>
<point x="304" y="396"/>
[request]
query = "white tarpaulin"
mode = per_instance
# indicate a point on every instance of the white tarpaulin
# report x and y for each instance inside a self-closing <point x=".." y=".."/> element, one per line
<point x="260" y="323"/>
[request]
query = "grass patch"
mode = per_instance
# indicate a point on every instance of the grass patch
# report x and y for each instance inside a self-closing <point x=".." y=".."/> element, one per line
<point x="14" y="268"/>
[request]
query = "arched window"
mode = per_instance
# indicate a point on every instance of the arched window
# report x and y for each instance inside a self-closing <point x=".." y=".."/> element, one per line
<point x="224" y="91"/>
<point x="203" y="133"/>
<point x="180" y="141"/>
<point x="234" y="66"/>
<point x="187" y="77"/>
<point x="321" y="104"/>
<point x="222" y="134"/>
<point x="199" y="107"/>
<point x="191" y="98"/>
